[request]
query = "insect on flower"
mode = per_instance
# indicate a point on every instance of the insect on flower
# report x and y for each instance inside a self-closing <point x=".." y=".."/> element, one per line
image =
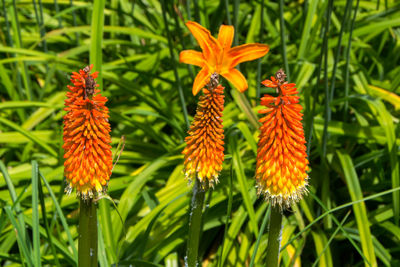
<point x="89" y="83"/>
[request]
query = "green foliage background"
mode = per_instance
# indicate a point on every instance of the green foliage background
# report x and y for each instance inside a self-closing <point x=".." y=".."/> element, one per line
<point x="344" y="57"/>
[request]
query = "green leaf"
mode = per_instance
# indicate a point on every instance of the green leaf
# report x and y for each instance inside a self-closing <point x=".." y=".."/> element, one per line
<point x="360" y="210"/>
<point x="28" y="135"/>
<point x="22" y="243"/>
<point x="243" y="185"/>
<point x="35" y="214"/>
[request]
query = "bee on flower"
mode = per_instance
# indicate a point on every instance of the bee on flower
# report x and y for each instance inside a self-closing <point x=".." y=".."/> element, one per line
<point x="87" y="150"/>
<point x="282" y="165"/>
<point x="204" y="152"/>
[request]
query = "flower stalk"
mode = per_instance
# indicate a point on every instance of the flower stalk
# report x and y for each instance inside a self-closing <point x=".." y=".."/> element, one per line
<point x="195" y="224"/>
<point x="274" y="237"/>
<point x="87" y="247"/>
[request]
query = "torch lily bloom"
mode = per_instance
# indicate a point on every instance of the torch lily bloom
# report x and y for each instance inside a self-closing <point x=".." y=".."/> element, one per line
<point x="219" y="57"/>
<point x="88" y="157"/>
<point x="204" y="152"/>
<point x="281" y="156"/>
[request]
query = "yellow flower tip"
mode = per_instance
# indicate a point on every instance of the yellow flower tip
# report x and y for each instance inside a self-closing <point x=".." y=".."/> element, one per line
<point x="87" y="150"/>
<point x="281" y="156"/>
<point x="218" y="56"/>
<point x="204" y="152"/>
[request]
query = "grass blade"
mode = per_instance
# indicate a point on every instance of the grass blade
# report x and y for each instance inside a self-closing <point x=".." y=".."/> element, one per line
<point x="321" y="245"/>
<point x="22" y="244"/>
<point x="172" y="55"/>
<point x="386" y="121"/>
<point x="18" y="43"/>
<point x="13" y="194"/>
<point x="238" y="167"/>
<point x="390" y="191"/>
<point x="304" y="41"/>
<point x="97" y="26"/>
<point x="46" y="224"/>
<point x="345" y="233"/>
<point x="258" y="93"/>
<point x="245" y="107"/>
<point x="62" y="218"/>
<point x="228" y="216"/>
<point x="29" y="136"/>
<point x="326" y="247"/>
<point x="347" y="67"/>
<point x="283" y="39"/>
<point x="360" y="210"/>
<point x="264" y="223"/>
<point x="35" y="215"/>
<point x="102" y="250"/>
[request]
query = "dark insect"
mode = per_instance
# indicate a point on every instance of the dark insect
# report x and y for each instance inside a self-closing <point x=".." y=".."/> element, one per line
<point x="90" y="83"/>
<point x="214" y="81"/>
<point x="280" y="76"/>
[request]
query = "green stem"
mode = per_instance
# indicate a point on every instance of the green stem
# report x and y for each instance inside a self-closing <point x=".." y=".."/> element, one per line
<point x="228" y="216"/>
<point x="97" y="29"/>
<point x="173" y="63"/>
<point x="87" y="249"/>
<point x="195" y="224"/>
<point x="283" y="39"/>
<point x="274" y="237"/>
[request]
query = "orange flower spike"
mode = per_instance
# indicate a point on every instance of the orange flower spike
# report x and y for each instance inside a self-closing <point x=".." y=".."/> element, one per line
<point x="87" y="150"/>
<point x="218" y="56"/>
<point x="281" y="156"/>
<point x="204" y="152"/>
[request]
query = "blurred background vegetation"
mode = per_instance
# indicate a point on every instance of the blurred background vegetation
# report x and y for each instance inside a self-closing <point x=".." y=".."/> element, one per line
<point x="344" y="58"/>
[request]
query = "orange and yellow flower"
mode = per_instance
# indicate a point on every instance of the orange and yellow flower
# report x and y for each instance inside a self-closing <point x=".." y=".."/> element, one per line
<point x="204" y="152"/>
<point x="281" y="157"/>
<point x="218" y="56"/>
<point x="87" y="150"/>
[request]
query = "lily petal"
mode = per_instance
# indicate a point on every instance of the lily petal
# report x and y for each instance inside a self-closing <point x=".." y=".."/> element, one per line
<point x="225" y="36"/>
<point x="191" y="57"/>
<point x="201" y="79"/>
<point x="236" y="78"/>
<point x="207" y="42"/>
<point x="247" y="52"/>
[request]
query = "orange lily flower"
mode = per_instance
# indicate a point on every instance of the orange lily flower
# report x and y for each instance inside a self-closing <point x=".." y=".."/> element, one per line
<point x="218" y="56"/>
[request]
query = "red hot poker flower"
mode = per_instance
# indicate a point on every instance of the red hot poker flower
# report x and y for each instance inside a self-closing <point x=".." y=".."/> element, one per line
<point x="204" y="152"/>
<point x="281" y="156"/>
<point x="87" y="150"/>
